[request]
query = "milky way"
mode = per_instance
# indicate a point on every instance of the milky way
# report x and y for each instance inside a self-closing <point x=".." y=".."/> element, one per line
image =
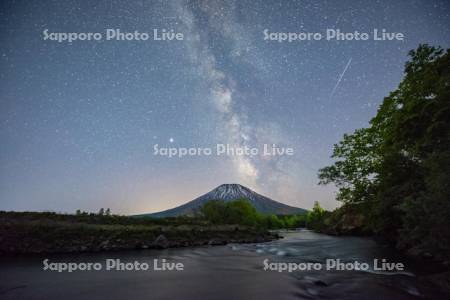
<point x="79" y="120"/>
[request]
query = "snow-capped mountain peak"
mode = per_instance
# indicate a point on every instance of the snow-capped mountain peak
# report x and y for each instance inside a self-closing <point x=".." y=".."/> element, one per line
<point x="230" y="192"/>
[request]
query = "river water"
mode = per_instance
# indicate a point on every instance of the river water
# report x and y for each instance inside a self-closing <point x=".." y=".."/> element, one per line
<point x="219" y="272"/>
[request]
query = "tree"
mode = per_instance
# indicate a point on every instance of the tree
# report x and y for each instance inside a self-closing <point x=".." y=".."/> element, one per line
<point x="399" y="166"/>
<point x="214" y="211"/>
<point x="355" y="170"/>
<point x="101" y="212"/>
<point x="315" y="218"/>
<point x="239" y="211"/>
<point x="273" y="222"/>
<point x="413" y="191"/>
<point x="108" y="212"/>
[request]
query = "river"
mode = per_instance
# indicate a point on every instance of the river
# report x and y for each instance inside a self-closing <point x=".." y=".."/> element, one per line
<point x="219" y="272"/>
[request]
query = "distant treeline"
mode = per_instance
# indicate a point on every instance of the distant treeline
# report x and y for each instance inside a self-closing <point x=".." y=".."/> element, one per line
<point x="242" y="212"/>
<point x="394" y="176"/>
<point x="214" y="212"/>
<point x="99" y="219"/>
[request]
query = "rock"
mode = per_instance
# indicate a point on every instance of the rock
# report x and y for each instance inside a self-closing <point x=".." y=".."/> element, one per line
<point x="215" y="242"/>
<point x="320" y="283"/>
<point x="161" y="242"/>
<point x="414" y="252"/>
<point x="105" y="245"/>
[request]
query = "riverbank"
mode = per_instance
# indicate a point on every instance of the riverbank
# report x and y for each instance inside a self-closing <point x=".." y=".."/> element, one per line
<point x="434" y="270"/>
<point x="234" y="271"/>
<point x="34" y="233"/>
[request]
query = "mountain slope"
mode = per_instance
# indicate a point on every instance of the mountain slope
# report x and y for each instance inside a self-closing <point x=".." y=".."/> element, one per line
<point x="230" y="192"/>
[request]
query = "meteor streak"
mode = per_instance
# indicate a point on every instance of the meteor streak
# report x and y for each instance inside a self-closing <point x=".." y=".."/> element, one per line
<point x="340" y="78"/>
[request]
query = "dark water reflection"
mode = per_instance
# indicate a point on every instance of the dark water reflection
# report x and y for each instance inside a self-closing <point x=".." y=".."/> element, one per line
<point x="220" y="272"/>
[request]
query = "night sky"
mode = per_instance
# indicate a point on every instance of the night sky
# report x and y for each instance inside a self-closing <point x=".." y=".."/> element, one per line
<point x="78" y="121"/>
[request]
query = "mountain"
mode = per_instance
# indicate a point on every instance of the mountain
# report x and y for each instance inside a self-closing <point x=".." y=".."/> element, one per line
<point x="230" y="192"/>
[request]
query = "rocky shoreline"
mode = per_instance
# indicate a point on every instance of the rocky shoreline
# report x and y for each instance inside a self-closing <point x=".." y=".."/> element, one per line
<point x="37" y="246"/>
<point x="19" y="236"/>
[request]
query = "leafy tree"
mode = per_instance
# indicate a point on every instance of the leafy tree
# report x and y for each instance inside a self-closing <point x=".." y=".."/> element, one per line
<point x="413" y="191"/>
<point x="399" y="166"/>
<point x="273" y="222"/>
<point x="315" y="218"/>
<point x="214" y="211"/>
<point x="242" y="212"/>
<point x="355" y="170"/>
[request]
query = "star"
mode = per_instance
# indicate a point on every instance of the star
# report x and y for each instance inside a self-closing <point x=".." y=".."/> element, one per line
<point x="71" y="104"/>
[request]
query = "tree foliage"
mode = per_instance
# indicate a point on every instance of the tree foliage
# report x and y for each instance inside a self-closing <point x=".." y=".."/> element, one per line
<point x="399" y="166"/>
<point x="242" y="212"/>
<point x="315" y="218"/>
